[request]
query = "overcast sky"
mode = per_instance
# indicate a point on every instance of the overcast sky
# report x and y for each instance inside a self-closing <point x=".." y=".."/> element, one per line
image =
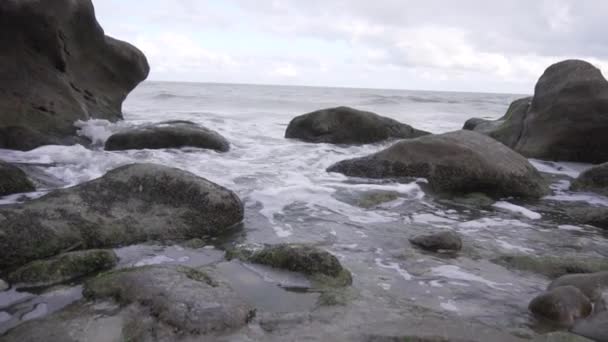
<point x="464" y="45"/>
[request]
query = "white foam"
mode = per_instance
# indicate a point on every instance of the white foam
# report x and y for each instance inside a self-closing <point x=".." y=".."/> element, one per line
<point x="430" y="218"/>
<point x="450" y="305"/>
<point x="486" y="222"/>
<point x="560" y="168"/>
<point x="570" y="227"/>
<point x="517" y="209"/>
<point x="96" y="130"/>
<point x="455" y="272"/>
<point x="511" y="247"/>
<point x="393" y="266"/>
<point x="155" y="260"/>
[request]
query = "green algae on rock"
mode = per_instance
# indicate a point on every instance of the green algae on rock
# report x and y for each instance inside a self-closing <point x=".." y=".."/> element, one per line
<point x="552" y="266"/>
<point x="63" y="267"/>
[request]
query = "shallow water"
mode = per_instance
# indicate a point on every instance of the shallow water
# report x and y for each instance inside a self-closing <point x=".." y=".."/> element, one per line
<point x="289" y="197"/>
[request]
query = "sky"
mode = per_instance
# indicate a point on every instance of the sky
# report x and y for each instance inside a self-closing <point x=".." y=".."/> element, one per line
<point x="466" y="45"/>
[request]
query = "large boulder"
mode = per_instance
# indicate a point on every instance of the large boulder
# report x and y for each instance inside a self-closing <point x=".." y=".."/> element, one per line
<point x="57" y="66"/>
<point x="130" y="204"/>
<point x="64" y="267"/>
<point x="595" y="216"/>
<point x="562" y="305"/>
<point x="455" y="162"/>
<point x="566" y="119"/>
<point x="592" y="284"/>
<point x="13" y="180"/>
<point x="594" y="179"/>
<point x="170" y="134"/>
<point x="345" y="125"/>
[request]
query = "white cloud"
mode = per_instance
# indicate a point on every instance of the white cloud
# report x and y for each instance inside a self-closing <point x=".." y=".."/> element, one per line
<point x="286" y="70"/>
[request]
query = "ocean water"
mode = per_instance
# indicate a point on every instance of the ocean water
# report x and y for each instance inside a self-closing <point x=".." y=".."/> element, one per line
<point x="289" y="197"/>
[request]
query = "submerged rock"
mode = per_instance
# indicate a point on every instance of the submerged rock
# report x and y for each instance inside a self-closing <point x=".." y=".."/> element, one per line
<point x="344" y="125"/>
<point x="60" y="68"/>
<point x="566" y="119"/>
<point x="456" y="162"/>
<point x="592" y="285"/>
<point x="130" y="204"/>
<point x="562" y="305"/>
<point x="305" y="259"/>
<point x="170" y="134"/>
<point x="189" y="299"/>
<point x="64" y="267"/>
<point x="13" y="180"/>
<point x="446" y="241"/>
<point x="594" y="327"/>
<point x="595" y="179"/>
<point x="595" y="216"/>
<point x="553" y="266"/>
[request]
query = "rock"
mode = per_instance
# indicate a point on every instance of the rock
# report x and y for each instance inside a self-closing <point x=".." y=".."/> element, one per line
<point x="133" y="203"/>
<point x="374" y="198"/>
<point x="305" y="259"/>
<point x="592" y="284"/>
<point x="64" y="267"/>
<point x="457" y="162"/>
<point x="13" y="180"/>
<point x="553" y="266"/>
<point x="4" y="285"/>
<point x="562" y="305"/>
<point x="344" y="125"/>
<point x="595" y="216"/>
<point x="60" y="68"/>
<point x="186" y="298"/>
<point x="447" y="241"/>
<point x="593" y="327"/>
<point x="170" y="134"/>
<point x="595" y="179"/>
<point x="566" y="119"/>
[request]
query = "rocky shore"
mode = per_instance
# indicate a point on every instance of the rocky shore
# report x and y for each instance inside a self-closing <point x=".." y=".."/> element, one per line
<point x="80" y="235"/>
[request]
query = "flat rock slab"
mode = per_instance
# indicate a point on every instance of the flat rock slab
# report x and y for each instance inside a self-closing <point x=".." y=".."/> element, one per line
<point x="344" y="125"/>
<point x="133" y="203"/>
<point x="171" y="134"/>
<point x="455" y="162"/>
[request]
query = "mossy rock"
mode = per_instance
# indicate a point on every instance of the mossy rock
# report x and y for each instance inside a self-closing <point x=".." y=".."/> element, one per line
<point x="64" y="267"/>
<point x="321" y="266"/>
<point x="13" y="180"/>
<point x="553" y="266"/>
<point x="372" y="199"/>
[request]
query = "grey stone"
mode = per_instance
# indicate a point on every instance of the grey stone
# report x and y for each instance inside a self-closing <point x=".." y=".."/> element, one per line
<point x="595" y="179"/>
<point x="562" y="305"/>
<point x="447" y="240"/>
<point x="13" y="180"/>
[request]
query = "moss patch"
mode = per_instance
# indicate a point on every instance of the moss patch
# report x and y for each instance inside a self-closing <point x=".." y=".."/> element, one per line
<point x="64" y="267"/>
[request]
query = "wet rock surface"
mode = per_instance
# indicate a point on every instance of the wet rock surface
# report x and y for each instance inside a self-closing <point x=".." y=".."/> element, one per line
<point x="344" y="125"/>
<point x="62" y="268"/>
<point x="61" y="67"/>
<point x="594" y="179"/>
<point x="130" y="204"/>
<point x="170" y="134"/>
<point x="441" y="241"/>
<point x="565" y="120"/>
<point x="553" y="266"/>
<point x="13" y="180"/>
<point x="562" y="305"/>
<point x="455" y="162"/>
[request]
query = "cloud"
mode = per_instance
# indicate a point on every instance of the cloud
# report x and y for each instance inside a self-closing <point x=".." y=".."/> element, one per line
<point x="474" y="45"/>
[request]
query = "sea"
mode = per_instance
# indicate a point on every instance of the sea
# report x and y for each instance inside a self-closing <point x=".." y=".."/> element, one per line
<point x="289" y="197"/>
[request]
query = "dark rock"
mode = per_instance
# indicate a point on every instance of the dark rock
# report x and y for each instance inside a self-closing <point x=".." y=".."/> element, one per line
<point x="172" y="134"/>
<point x="185" y="298"/>
<point x="64" y="267"/>
<point x="447" y="241"/>
<point x="457" y="162"/>
<point x="13" y="180"/>
<point x="595" y="216"/>
<point x="553" y="266"/>
<point x="595" y="179"/>
<point x="562" y="305"/>
<point x="344" y="125"/>
<point x="566" y="119"/>
<point x="60" y="68"/>
<point x="593" y="327"/>
<point x="305" y="259"/>
<point x="3" y="285"/>
<point x="592" y="285"/>
<point x="133" y="203"/>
